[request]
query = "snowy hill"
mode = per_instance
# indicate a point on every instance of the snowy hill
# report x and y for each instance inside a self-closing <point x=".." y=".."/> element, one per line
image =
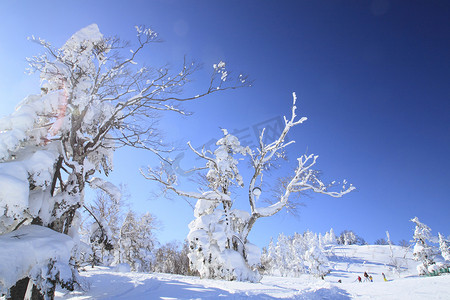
<point x="348" y="262"/>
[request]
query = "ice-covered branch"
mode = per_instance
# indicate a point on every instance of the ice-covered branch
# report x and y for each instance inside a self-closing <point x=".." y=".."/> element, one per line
<point x="304" y="179"/>
<point x="202" y="154"/>
<point x="168" y="181"/>
<point x="107" y="187"/>
<point x="267" y="153"/>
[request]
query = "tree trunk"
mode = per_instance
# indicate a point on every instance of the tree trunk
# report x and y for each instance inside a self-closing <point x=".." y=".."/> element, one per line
<point x="19" y="291"/>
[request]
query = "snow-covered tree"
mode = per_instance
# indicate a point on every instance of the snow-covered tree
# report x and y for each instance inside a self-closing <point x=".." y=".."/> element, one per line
<point x="100" y="228"/>
<point x="136" y="242"/>
<point x="95" y="97"/>
<point x="317" y="261"/>
<point x="129" y="235"/>
<point x="296" y="255"/>
<point x="423" y="252"/>
<point x="299" y="244"/>
<point x="398" y="264"/>
<point x="389" y="242"/>
<point x="172" y="258"/>
<point x="347" y="237"/>
<point x="283" y="254"/>
<point x="220" y="246"/>
<point x="212" y="235"/>
<point x="99" y="232"/>
<point x="312" y="254"/>
<point x="268" y="258"/>
<point x="444" y="247"/>
<point x="329" y="238"/>
<point x="109" y="209"/>
<point x="285" y="257"/>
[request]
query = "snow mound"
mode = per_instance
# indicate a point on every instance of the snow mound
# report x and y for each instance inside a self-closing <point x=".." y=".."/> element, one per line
<point x="122" y="268"/>
<point x="27" y="247"/>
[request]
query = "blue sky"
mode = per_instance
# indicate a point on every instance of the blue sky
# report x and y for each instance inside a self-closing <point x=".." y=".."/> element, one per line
<point x="371" y="76"/>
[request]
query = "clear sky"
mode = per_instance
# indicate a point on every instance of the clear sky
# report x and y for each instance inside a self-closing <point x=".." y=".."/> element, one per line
<point x="373" y="78"/>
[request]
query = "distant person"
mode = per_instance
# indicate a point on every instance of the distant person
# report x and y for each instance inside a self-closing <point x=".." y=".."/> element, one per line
<point x="339" y="281"/>
<point x="371" y="278"/>
<point x="366" y="276"/>
<point x="384" y="277"/>
<point x="359" y="278"/>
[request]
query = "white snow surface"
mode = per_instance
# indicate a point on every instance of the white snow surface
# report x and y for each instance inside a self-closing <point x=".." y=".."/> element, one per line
<point x="27" y="247"/>
<point x="348" y="263"/>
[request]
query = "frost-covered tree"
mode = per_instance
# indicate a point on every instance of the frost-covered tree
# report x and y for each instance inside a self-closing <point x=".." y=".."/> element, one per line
<point x="100" y="229"/>
<point x="283" y="255"/>
<point x="212" y="235"/>
<point x="93" y="100"/>
<point x="348" y="237"/>
<point x="317" y="261"/>
<point x="296" y="255"/>
<point x="299" y="244"/>
<point x="268" y="258"/>
<point x="389" y="242"/>
<point x="110" y="210"/>
<point x="444" y="247"/>
<point x="95" y="96"/>
<point x="398" y="264"/>
<point x="131" y="241"/>
<point x="127" y="247"/>
<point x="423" y="252"/>
<point x="172" y="258"/>
<point x="329" y="238"/>
<point x="136" y="242"/>
<point x="101" y="232"/>
<point x="219" y="236"/>
<point x="217" y="250"/>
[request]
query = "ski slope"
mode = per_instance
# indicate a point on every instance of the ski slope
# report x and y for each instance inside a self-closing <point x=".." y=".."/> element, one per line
<point x="348" y="262"/>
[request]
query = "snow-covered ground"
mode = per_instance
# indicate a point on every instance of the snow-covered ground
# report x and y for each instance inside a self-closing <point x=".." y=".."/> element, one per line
<point x="348" y="263"/>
